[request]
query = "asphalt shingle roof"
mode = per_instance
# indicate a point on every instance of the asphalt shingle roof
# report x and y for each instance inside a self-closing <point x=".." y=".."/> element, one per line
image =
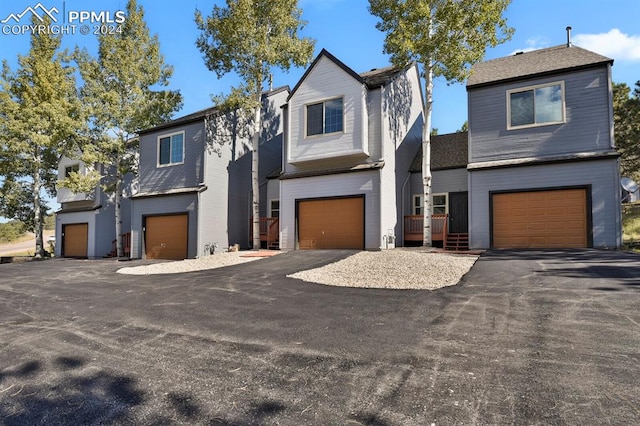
<point x="536" y="62"/>
<point x="378" y="77"/>
<point x="448" y="151"/>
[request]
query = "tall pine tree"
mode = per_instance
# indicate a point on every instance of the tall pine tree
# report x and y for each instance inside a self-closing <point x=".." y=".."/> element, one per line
<point x="41" y="119"/>
<point x="626" y="113"/>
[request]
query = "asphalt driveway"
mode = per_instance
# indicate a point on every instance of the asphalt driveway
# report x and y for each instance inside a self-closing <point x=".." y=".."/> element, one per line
<point x="526" y="338"/>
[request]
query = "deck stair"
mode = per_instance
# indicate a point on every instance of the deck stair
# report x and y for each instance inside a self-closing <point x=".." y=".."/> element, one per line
<point x="457" y="242"/>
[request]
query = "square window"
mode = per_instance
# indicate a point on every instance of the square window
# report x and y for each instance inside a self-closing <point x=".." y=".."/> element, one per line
<point x="535" y="106"/>
<point x="325" y="117"/>
<point x="71" y="169"/>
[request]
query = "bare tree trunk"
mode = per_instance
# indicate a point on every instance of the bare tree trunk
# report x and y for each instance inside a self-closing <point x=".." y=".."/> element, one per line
<point x="426" y="156"/>
<point x="255" y="182"/>
<point x="37" y="217"/>
<point x="118" y="210"/>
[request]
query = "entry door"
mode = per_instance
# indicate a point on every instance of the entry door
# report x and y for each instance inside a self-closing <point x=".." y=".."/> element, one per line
<point x="458" y="212"/>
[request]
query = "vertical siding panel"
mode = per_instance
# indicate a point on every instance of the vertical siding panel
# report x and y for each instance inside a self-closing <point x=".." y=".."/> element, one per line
<point x="599" y="174"/>
<point x="176" y="204"/>
<point x="587" y="126"/>
<point x="367" y="183"/>
<point x="186" y="175"/>
<point x="326" y="81"/>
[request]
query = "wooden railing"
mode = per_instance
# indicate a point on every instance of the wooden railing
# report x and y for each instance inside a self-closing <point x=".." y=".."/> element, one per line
<point x="269" y="230"/>
<point x="126" y="245"/>
<point x="413" y="227"/>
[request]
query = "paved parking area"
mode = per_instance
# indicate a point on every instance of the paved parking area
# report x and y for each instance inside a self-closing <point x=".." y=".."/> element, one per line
<point x="526" y="338"/>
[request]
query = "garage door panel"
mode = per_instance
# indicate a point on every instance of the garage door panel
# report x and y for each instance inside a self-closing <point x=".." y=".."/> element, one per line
<point x="551" y="219"/>
<point x="331" y="223"/>
<point x="76" y="238"/>
<point x="166" y="237"/>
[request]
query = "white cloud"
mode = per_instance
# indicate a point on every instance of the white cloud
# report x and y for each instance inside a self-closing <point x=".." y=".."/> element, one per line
<point x="614" y="44"/>
<point x="533" y="43"/>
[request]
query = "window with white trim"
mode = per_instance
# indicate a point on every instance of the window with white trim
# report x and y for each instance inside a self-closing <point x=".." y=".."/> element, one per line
<point x="171" y="149"/>
<point x="439" y="204"/>
<point x="71" y="169"/>
<point x="324" y="117"/>
<point x="539" y="105"/>
<point x="274" y="207"/>
<point x="417" y="205"/>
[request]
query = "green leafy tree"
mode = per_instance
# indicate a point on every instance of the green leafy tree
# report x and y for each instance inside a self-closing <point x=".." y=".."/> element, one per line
<point x="626" y="114"/>
<point x="250" y="37"/>
<point x="445" y="37"/>
<point x="11" y="231"/>
<point x="123" y="89"/>
<point x="40" y="117"/>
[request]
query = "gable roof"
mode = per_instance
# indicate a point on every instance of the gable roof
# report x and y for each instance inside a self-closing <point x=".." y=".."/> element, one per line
<point x="535" y="63"/>
<point x="372" y="79"/>
<point x="200" y="115"/>
<point x="448" y="151"/>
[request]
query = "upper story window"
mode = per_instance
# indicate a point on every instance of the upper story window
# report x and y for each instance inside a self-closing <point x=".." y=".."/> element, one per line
<point x="71" y="169"/>
<point x="536" y="105"/>
<point x="324" y="117"/>
<point x="171" y="149"/>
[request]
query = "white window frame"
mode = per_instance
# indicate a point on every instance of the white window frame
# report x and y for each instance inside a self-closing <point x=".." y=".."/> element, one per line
<point x="533" y="88"/>
<point x="415" y="206"/>
<point x="446" y="201"/>
<point x="323" y="102"/>
<point x="71" y="168"/>
<point x="170" y="135"/>
<point x="271" y="207"/>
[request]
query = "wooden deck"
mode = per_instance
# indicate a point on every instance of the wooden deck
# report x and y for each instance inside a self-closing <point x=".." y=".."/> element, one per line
<point x="269" y="232"/>
<point x="413" y="227"/>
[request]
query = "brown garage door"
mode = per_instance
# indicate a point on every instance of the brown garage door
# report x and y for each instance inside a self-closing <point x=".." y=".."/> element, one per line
<point x="336" y="223"/>
<point x="75" y="239"/>
<point x="540" y="219"/>
<point x="165" y="237"/>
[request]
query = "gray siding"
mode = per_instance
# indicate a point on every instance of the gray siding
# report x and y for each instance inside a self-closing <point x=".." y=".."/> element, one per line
<point x="327" y="81"/>
<point x="602" y="175"/>
<point x="186" y="175"/>
<point x="587" y="126"/>
<point x="212" y="208"/>
<point x="175" y="204"/>
<point x="367" y="183"/>
<point x="78" y="217"/>
<point x="443" y="181"/>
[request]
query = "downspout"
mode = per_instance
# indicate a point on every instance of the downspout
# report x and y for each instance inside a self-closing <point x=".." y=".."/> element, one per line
<point x="382" y="135"/>
<point x="404" y="185"/>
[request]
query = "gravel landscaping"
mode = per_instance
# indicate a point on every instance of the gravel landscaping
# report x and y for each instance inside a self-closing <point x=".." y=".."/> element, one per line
<point x="395" y="269"/>
<point x="189" y="265"/>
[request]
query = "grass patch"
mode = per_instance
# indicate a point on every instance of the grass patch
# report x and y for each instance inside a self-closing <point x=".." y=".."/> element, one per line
<point x="631" y="225"/>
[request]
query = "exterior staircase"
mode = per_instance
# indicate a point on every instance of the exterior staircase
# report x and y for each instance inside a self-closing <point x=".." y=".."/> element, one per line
<point x="126" y="246"/>
<point x="274" y="245"/>
<point x="457" y="242"/>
